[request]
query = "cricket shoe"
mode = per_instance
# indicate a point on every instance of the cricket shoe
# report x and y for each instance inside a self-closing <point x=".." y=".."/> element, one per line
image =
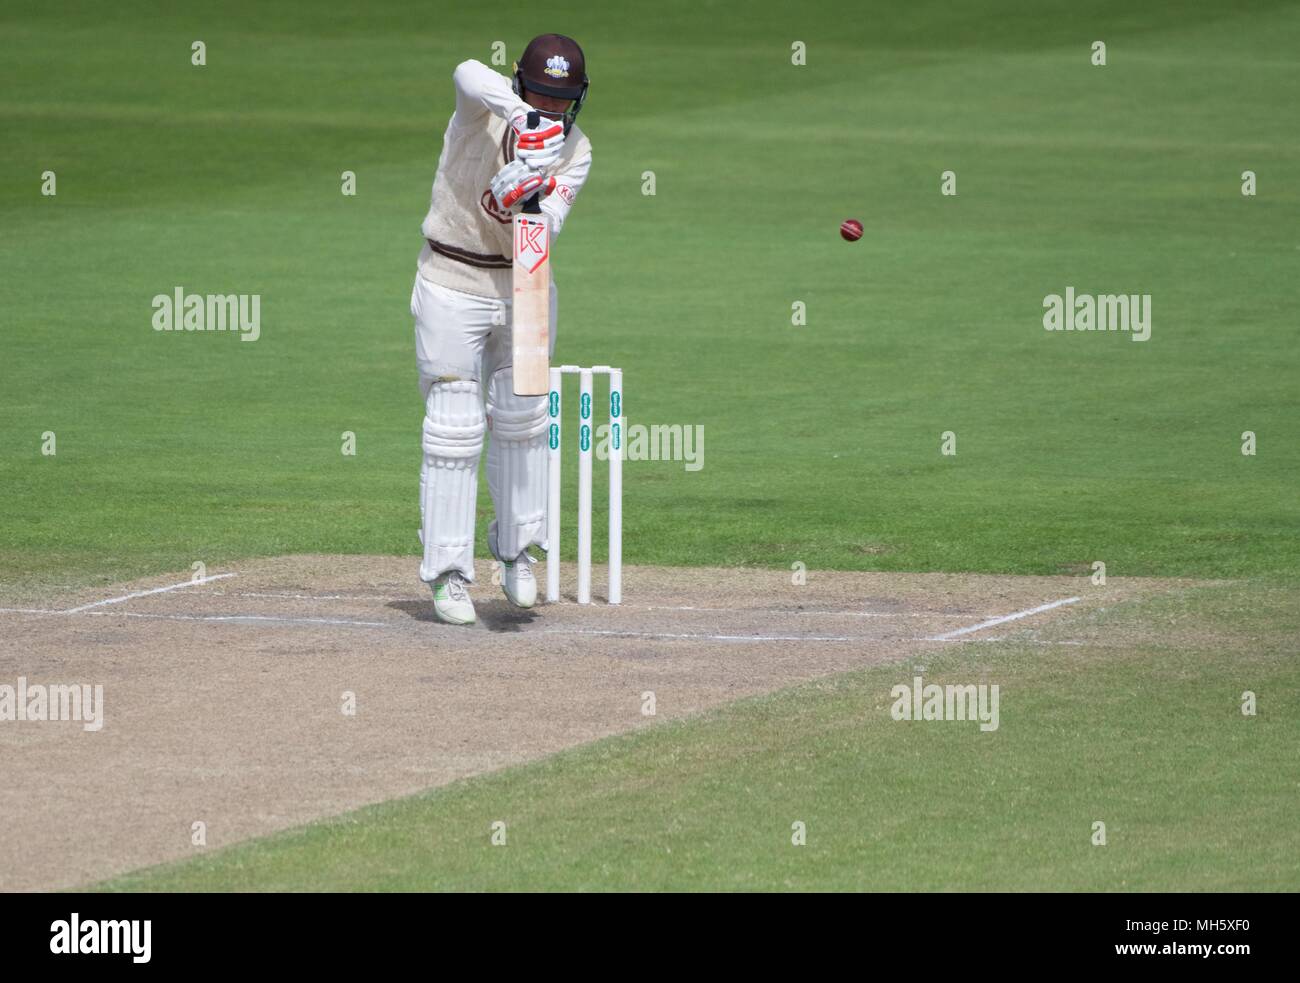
<point x="518" y="581"/>
<point x="517" y="578"/>
<point x="451" y="601"/>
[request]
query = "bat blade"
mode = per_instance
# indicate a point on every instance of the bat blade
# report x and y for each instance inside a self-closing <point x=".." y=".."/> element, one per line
<point x="531" y="329"/>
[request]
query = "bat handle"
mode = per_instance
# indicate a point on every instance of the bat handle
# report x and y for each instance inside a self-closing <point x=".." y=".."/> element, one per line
<point x="533" y="206"/>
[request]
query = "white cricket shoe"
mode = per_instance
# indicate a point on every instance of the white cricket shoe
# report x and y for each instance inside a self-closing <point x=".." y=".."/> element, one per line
<point x="517" y="578"/>
<point x="518" y="581"/>
<point x="451" y="601"/>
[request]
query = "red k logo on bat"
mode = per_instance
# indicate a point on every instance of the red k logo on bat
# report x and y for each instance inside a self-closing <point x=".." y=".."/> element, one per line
<point x="532" y="244"/>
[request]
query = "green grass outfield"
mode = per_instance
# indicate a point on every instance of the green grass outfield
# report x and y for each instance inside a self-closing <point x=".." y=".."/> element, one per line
<point x="1148" y="738"/>
<point x="822" y="441"/>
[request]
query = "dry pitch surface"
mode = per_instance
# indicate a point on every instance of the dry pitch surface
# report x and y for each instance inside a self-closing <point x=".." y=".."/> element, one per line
<point x="223" y="699"/>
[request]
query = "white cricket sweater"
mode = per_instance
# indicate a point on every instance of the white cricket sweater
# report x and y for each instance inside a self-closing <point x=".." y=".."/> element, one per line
<point x="467" y="237"/>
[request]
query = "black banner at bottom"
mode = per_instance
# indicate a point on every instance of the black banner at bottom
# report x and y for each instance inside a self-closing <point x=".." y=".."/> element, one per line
<point x="138" y="933"/>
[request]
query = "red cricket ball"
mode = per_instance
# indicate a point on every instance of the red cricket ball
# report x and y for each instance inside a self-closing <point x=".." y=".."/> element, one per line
<point x="851" y="229"/>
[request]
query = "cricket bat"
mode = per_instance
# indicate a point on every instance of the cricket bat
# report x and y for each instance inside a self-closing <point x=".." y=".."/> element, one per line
<point x="531" y="328"/>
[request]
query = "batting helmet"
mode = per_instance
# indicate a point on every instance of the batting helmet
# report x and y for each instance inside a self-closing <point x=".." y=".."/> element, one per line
<point x="553" y="65"/>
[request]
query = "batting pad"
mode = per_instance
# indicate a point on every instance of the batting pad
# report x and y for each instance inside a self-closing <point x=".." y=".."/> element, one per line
<point x="453" y="441"/>
<point x="516" y="465"/>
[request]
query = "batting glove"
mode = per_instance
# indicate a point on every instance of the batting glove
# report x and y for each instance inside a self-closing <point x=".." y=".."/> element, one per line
<point x="514" y="183"/>
<point x="540" y="146"/>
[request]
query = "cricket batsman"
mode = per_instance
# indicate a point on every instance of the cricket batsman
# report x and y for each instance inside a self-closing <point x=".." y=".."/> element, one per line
<point x="492" y="161"/>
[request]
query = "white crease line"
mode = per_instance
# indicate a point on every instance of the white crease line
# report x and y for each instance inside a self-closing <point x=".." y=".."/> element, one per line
<point x="710" y="638"/>
<point x="884" y="614"/>
<point x="688" y="607"/>
<point x="948" y="636"/>
<point x="845" y="614"/>
<point x="1002" y="638"/>
<point x="642" y="607"/>
<point x="242" y="617"/>
<point x="313" y="597"/>
<point x="146" y="593"/>
<point x="1026" y="641"/>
